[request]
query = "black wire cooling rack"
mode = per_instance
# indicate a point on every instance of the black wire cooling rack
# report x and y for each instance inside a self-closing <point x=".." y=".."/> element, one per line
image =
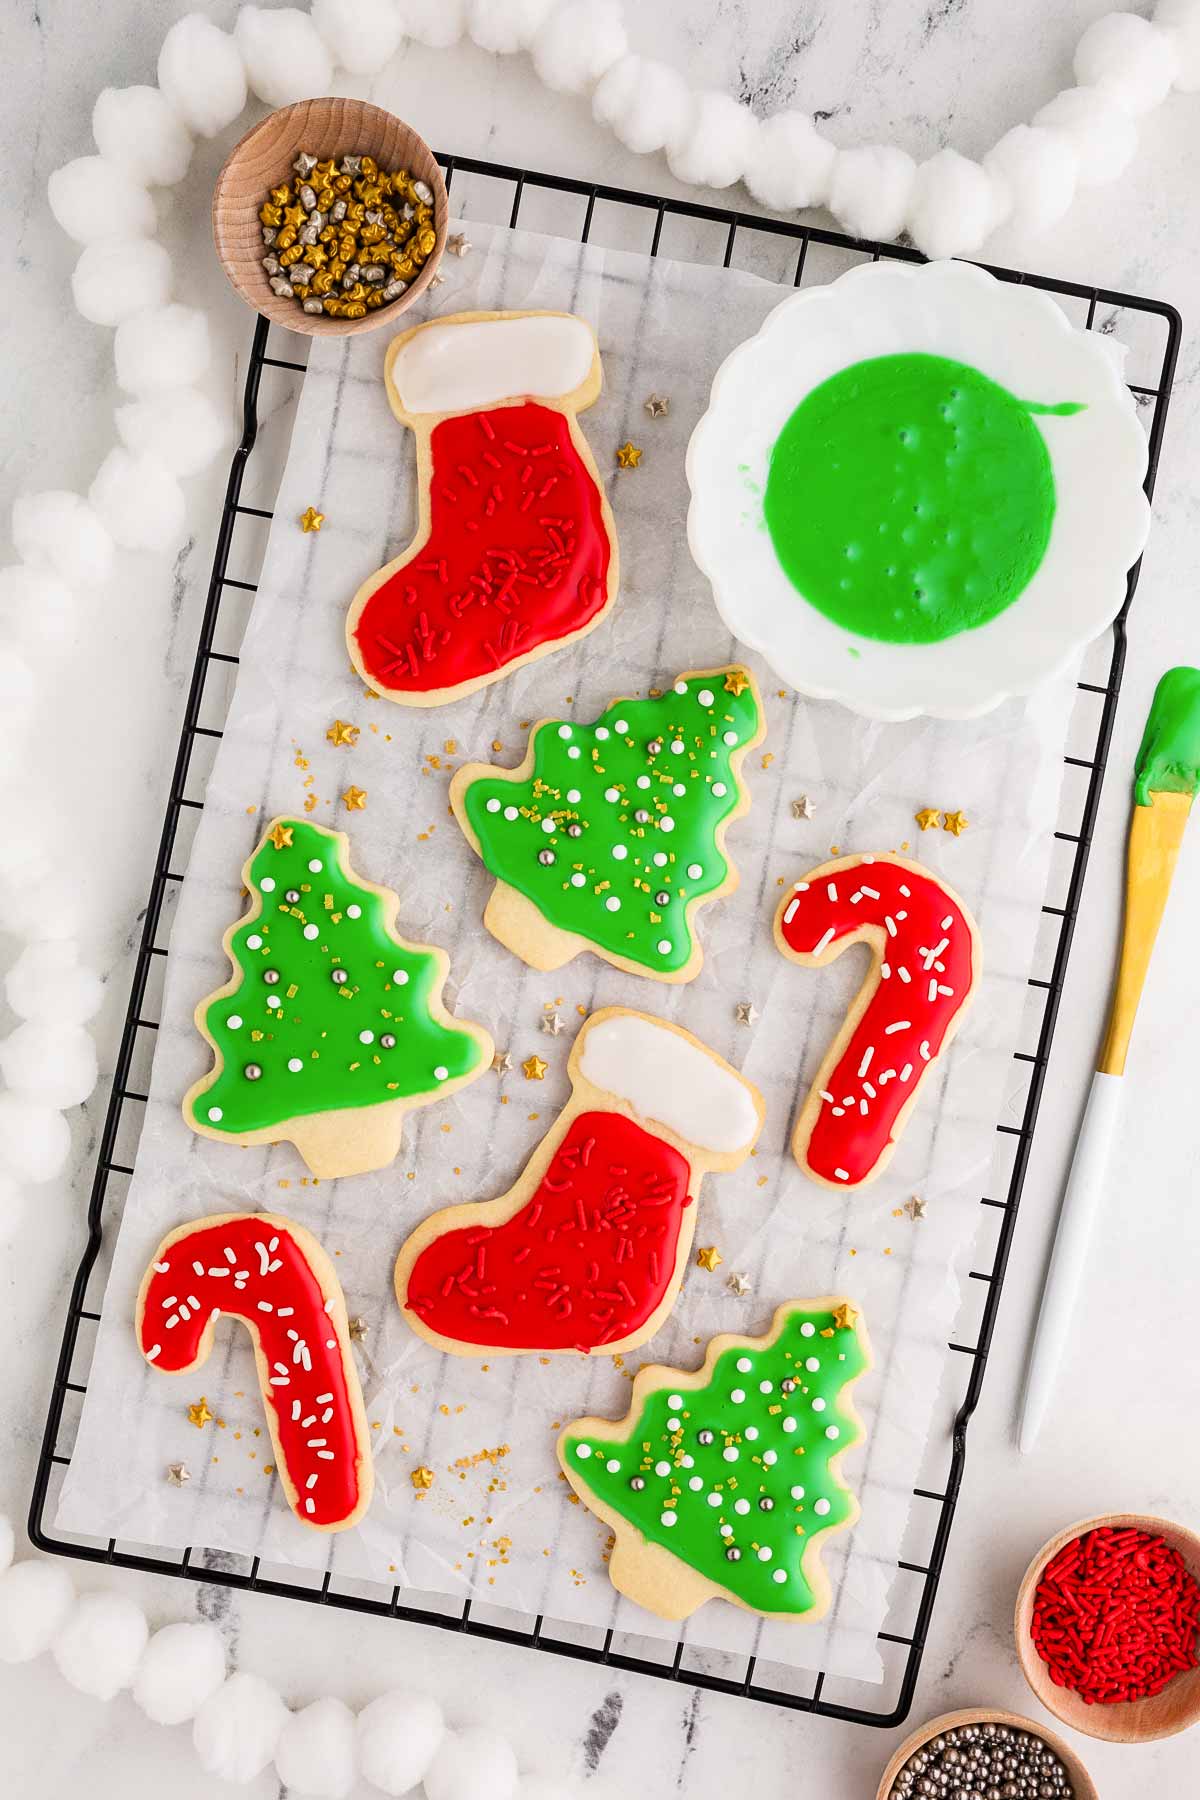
<point x="715" y="233"/>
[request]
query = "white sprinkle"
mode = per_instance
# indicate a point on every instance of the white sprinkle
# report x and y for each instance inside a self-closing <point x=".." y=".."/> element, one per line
<point x="943" y="989"/>
<point x="831" y="1431"/>
<point x="620" y="725"/>
<point x="821" y="1506"/>
<point x="366" y="1037"/>
<point x="818" y="1404"/>
<point x="797" y="1492"/>
<point x="674" y="1423"/>
<point x="812" y="1364"/>
<point x="900" y="1025"/>
<point x="907" y="892"/>
<point x="564" y="731"/>
<point x="230" y="1255"/>
<point x="856" y="897"/>
<point x="681" y="687"/>
<point x="764" y="1387"/>
<point x="493" y="805"/>
<point x="254" y="942"/>
<point x="312" y="931"/>
<point x="612" y="904"/>
<point x="667" y="823"/>
<point x="705" y="696"/>
<point x="863" y="1108"/>
<point x="744" y="1365"/>
<point x="151" y="1354"/>
<point x="612" y="794"/>
<point x="871" y="893"/>
<point x="549" y="826"/>
<point x="661" y="859"/>
<point x="890" y="923"/>
<point x="295" y="1064"/>
<point x="312" y="1481"/>
<point x="903" y="973"/>
<point x="440" y="1073"/>
<point x="933" y="988"/>
<point x="868" y="1090"/>
<point x="839" y="1112"/>
<point x="295" y="1410"/>
<point x="664" y="946"/>
<point x="885" y="970"/>
<point x="613" y="1465"/>
<point x="906" y="1071"/>
<point x="842" y="1174"/>
<point x="825" y="1094"/>
<point x="737" y="1395"/>
<point x="731" y="737"/>
<point x="399" y="977"/>
<point x="695" y="871"/>
<point x="730" y="1453"/>
<point x="574" y="752"/>
<point x="310" y="1506"/>
<point x="789" y="1424"/>
<point x="573" y="796"/>
<point x="779" y="1575"/>
<point x="696" y="1483"/>
<point x="162" y="1267"/>
<point x="802" y="887"/>
<point x="770" y="1457"/>
<point x="865" y="1064"/>
<point x="789" y="912"/>
<point x="511" y="813"/>
<point x="314" y="866"/>
<point x="947" y="922"/>
<point x="578" y="880"/>
<point x="808" y="1329"/>
<point x="679" y="789"/>
<point x="274" y="1000"/>
<point x="831" y="890"/>
<point x="674" y="1401"/>
<point x="751" y="1433"/>
<point x="215" y="1114"/>
<point x="713" y="1499"/>
<point x="824" y="942"/>
<point x="765" y="1553"/>
<point x="741" y="1506"/>
<point x="265" y="1306"/>
<point x="662" y="1468"/>
<point x="602" y="733"/>
<point x="267" y="884"/>
<point x="583" y="1451"/>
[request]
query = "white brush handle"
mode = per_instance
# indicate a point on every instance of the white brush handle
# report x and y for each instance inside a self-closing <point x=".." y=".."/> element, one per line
<point x="1084" y="1188"/>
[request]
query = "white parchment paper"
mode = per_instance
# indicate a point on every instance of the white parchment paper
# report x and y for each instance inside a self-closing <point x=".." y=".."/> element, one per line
<point x="497" y="1525"/>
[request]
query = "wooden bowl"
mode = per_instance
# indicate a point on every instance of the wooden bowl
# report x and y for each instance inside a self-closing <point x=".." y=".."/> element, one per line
<point x="263" y="159"/>
<point x="1081" y="1782"/>
<point x="1128" y="1721"/>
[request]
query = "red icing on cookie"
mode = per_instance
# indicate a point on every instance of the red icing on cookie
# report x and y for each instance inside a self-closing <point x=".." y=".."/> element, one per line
<point x="517" y="554"/>
<point x="921" y="982"/>
<point x="251" y="1266"/>
<point x="581" y="1265"/>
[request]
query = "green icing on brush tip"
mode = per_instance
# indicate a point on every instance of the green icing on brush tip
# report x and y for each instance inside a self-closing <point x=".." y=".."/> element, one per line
<point x="1169" y="758"/>
<point x="910" y="497"/>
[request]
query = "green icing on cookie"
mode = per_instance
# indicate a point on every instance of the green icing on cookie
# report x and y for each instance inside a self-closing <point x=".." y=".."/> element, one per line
<point x="1169" y="758"/>
<point x="614" y="834"/>
<point x="330" y="1011"/>
<point x="734" y="1477"/>
<point x="910" y="498"/>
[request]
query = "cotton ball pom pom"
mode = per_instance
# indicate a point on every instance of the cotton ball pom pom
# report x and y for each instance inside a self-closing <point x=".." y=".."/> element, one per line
<point x="141" y="502"/>
<point x="118" y="277"/>
<point x="718" y="143"/>
<point x="162" y="347"/>
<point x="200" y="72"/>
<point x="646" y="103"/>
<point x="1182" y="19"/>
<point x="578" y="43"/>
<point x="35" y="1141"/>
<point x="7" y="1543"/>
<point x="23" y="850"/>
<point x="93" y="198"/>
<point x="504" y="26"/>
<point x="16" y="686"/>
<point x="236" y="1731"/>
<point x="59" y="529"/>
<point x="35" y="1598"/>
<point x="14" y="1205"/>
<point x="142" y="133"/>
<point x="1128" y="58"/>
<point x="37" y="607"/>
<point x="43" y="905"/>
<point x="55" y="1064"/>
<point x="101" y="1644"/>
<point x="437" y="23"/>
<point x="955" y="205"/>
<point x="316" y="1750"/>
<point x="1104" y="138"/>
<point x="871" y="190"/>
<point x="283" y="55"/>
<point x="398" y="1736"/>
<point x="475" y="1764"/>
<point x="362" y="35"/>
<point x="180" y="428"/>
<point x="790" y="163"/>
<point x="183" y="1666"/>
<point x="1037" y="168"/>
<point x="48" y="982"/>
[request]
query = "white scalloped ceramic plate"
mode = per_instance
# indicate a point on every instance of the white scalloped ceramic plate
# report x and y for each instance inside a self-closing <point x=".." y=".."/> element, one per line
<point x="1020" y="339"/>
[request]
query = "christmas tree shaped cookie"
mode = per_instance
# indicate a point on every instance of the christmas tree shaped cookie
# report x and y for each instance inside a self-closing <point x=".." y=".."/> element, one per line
<point x="722" y="1481"/>
<point x="515" y="553"/>
<point x="610" y="836"/>
<point x="331" y="1027"/>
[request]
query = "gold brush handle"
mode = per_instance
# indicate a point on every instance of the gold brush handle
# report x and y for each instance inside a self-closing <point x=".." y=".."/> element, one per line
<point x="1155" y="834"/>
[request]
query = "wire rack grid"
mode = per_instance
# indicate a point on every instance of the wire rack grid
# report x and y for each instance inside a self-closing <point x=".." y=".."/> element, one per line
<point x="726" y="231"/>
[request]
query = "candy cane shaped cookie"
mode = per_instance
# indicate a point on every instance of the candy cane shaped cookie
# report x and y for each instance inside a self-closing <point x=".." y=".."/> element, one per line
<point x="274" y="1276"/>
<point x="926" y="963"/>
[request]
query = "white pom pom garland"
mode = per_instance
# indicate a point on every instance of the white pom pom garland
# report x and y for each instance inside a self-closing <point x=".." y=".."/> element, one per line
<point x="118" y="277"/>
<point x="200" y="72"/>
<point x="505" y="26"/>
<point x="140" y="131"/>
<point x="398" y="1737"/>
<point x="1130" y="59"/>
<point x="236" y="1731"/>
<point x="179" y="428"/>
<point x="139" y="501"/>
<point x="717" y="145"/>
<point x="646" y="103"/>
<point x="435" y="23"/>
<point x="35" y="1141"/>
<point x="49" y="1062"/>
<point x="16" y="686"/>
<point x="283" y="54"/>
<point x="475" y="1764"/>
<point x="579" y="42"/>
<point x="955" y="205"/>
<point x="317" y="1750"/>
<point x="870" y="190"/>
<point x="360" y="35"/>
<point x="35" y="1598"/>
<point x="1181" y="19"/>
<point x="48" y="982"/>
<point x="161" y="347"/>
<point x="37" y="608"/>
<point x="93" y="198"/>
<point x="1037" y="168"/>
<point x="101" y="1644"/>
<point x="1104" y="137"/>
<point x="789" y="163"/>
<point x="183" y="1666"/>
<point x="59" y="530"/>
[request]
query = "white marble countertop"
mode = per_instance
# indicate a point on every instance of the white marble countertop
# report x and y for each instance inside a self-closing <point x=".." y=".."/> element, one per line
<point x="1122" y="1430"/>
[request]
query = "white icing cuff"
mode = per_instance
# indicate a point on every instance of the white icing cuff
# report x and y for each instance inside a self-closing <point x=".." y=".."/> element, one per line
<point x="447" y="368"/>
<point x="668" y="1078"/>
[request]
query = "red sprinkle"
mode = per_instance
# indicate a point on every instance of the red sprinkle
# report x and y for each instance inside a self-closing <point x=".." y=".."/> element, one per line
<point x="1116" y="1616"/>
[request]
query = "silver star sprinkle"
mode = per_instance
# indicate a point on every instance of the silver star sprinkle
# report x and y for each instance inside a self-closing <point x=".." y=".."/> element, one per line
<point x="915" y="1208"/>
<point x="658" y="406"/>
<point x="304" y="164"/>
<point x="739" y="1283"/>
<point x="502" y="1062"/>
<point x="177" y="1474"/>
<point x="746" y="1012"/>
<point x="802" y="808"/>
<point x="459" y="244"/>
<point x="552" y="1023"/>
<point x="358" y="1328"/>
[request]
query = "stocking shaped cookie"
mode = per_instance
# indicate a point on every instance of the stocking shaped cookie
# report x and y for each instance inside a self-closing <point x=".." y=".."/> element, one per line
<point x="721" y="1481"/>
<point x="587" y="1250"/>
<point x="331" y="1027"/>
<point x="926" y="961"/>
<point x="515" y="552"/>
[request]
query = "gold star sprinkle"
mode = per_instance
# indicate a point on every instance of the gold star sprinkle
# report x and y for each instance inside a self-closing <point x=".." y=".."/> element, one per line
<point x="929" y="818"/>
<point x="552" y="1024"/>
<point x="658" y="406"/>
<point x="355" y="799"/>
<point x="422" y="1478"/>
<point x="915" y="1208"/>
<point x="709" y="1257"/>
<point x="357" y="1329"/>
<point x="746" y="1012"/>
<point x="628" y="455"/>
<point x="736" y="681"/>
<point x="534" y="1069"/>
<point x="956" y="822"/>
<point x="311" y="519"/>
<point x="502" y="1062"/>
<point x="845" y="1316"/>
<point x="177" y="1474"/>
<point x="199" y="1415"/>
<point x="459" y="244"/>
<point x="802" y="808"/>
<point x="280" y="836"/>
<point x="342" y="732"/>
<point x="739" y="1283"/>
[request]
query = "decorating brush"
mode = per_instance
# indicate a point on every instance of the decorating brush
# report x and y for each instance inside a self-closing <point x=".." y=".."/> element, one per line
<point x="1165" y="782"/>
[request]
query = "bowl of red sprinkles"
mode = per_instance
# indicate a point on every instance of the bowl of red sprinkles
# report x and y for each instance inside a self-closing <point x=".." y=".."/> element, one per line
<point x="1108" y="1627"/>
